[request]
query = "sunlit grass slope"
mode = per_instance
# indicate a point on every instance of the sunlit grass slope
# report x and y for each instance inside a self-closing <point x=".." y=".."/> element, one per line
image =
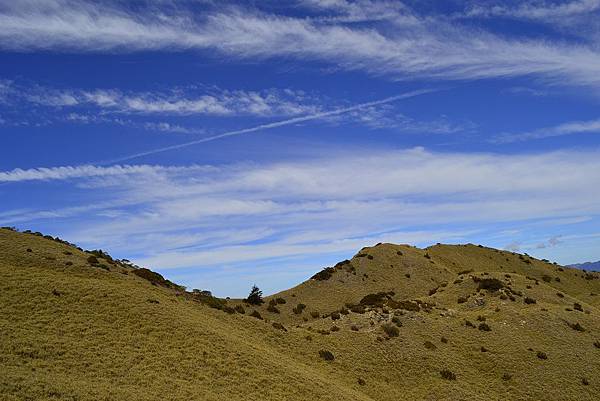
<point x="401" y="323"/>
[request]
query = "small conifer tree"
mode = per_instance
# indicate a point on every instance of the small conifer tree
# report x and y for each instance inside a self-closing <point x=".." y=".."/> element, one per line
<point x="255" y="296"/>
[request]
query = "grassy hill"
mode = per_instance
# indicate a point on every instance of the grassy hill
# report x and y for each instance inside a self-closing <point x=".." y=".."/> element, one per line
<point x="395" y="322"/>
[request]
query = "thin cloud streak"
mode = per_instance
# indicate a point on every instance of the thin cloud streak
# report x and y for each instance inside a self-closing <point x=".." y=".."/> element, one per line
<point x="277" y="124"/>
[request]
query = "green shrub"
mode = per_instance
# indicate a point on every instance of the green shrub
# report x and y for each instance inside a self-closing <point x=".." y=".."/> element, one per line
<point x="299" y="308"/>
<point x="272" y="309"/>
<point x="391" y="330"/>
<point x="280" y="301"/>
<point x="279" y="326"/>
<point x="576" y="327"/>
<point x="324" y="274"/>
<point x="484" y="327"/>
<point x="326" y="355"/>
<point x="447" y="374"/>
<point x="489" y="284"/>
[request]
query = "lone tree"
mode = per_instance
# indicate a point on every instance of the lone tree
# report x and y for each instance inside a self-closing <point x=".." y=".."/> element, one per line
<point x="255" y="296"/>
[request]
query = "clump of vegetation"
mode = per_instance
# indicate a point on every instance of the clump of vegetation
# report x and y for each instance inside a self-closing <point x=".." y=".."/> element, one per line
<point x="299" y="308"/>
<point x="278" y="326"/>
<point x="273" y="309"/>
<point x="405" y="305"/>
<point x="334" y="328"/>
<point x="462" y="300"/>
<point x="255" y="296"/>
<point x="92" y="260"/>
<point x="465" y="272"/>
<point x="256" y="314"/>
<point x="315" y="314"/>
<point x="546" y="278"/>
<point x="326" y="355"/>
<point x="377" y="299"/>
<point x="529" y="300"/>
<point x="280" y="301"/>
<point x="577" y="306"/>
<point x="585" y="381"/>
<point x="324" y="274"/>
<point x="489" y="284"/>
<point x="447" y="374"/>
<point x="354" y="327"/>
<point x="576" y="327"/>
<point x="335" y="316"/>
<point x="506" y="377"/>
<point x="444" y="340"/>
<point x="361" y="381"/>
<point x="469" y="324"/>
<point x="597" y="344"/>
<point x="541" y="355"/>
<point x="560" y="295"/>
<point x="429" y="345"/>
<point x="396" y="320"/>
<point x="484" y="327"/>
<point x="240" y="309"/>
<point x="391" y="330"/>
<point x="154" y="278"/>
<point x="357" y="309"/>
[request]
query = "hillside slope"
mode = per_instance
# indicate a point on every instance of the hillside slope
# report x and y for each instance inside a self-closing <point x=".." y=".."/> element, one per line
<point x="443" y="323"/>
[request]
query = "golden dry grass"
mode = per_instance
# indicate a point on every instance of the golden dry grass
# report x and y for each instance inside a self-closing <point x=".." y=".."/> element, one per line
<point x="77" y="332"/>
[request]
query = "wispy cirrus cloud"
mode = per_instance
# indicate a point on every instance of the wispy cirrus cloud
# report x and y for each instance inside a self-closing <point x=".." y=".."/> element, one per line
<point x="178" y="101"/>
<point x="537" y="10"/>
<point x="425" y="46"/>
<point x="568" y="128"/>
<point x="192" y="218"/>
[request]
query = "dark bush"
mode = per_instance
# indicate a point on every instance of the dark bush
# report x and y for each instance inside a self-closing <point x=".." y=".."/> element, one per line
<point x="469" y="324"/>
<point x="529" y="300"/>
<point x="444" y="340"/>
<point x="585" y="381"/>
<point x="546" y="278"/>
<point x="299" y="309"/>
<point x="357" y="309"/>
<point x="489" y="284"/>
<point x="255" y="296"/>
<point x="578" y="307"/>
<point x="391" y="330"/>
<point x="576" y="326"/>
<point x="335" y="316"/>
<point x="462" y="300"/>
<point x="405" y="305"/>
<point x="280" y="301"/>
<point x="334" y="328"/>
<point x="228" y="309"/>
<point x="396" y="320"/>
<point x="279" y="326"/>
<point x="597" y="344"/>
<point x="506" y="377"/>
<point x="326" y="355"/>
<point x="541" y="355"/>
<point x="153" y="277"/>
<point x="272" y="309"/>
<point x="92" y="260"/>
<point x="69" y="263"/>
<point x="560" y="295"/>
<point x="481" y="318"/>
<point x="429" y="345"/>
<point x="447" y="374"/>
<point x="315" y="314"/>
<point x="256" y="315"/>
<point x="377" y="299"/>
<point x="361" y="382"/>
<point x="324" y="274"/>
<point x="407" y="275"/>
<point x="240" y="309"/>
<point x="484" y="327"/>
<point x="354" y="327"/>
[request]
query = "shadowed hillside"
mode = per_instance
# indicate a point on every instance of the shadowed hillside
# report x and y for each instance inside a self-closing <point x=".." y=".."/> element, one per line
<point x="449" y="322"/>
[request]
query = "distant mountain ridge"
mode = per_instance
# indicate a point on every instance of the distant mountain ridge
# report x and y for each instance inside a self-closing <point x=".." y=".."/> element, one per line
<point x="587" y="265"/>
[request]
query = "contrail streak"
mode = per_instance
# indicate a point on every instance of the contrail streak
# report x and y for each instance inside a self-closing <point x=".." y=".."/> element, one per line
<point x="276" y="124"/>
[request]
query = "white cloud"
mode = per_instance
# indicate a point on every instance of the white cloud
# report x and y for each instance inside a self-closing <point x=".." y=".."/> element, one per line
<point x="538" y="10"/>
<point x="569" y="128"/>
<point x="322" y="205"/>
<point x="427" y="46"/>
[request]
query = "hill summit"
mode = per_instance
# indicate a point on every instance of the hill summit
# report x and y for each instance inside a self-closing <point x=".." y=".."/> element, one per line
<point x="395" y="322"/>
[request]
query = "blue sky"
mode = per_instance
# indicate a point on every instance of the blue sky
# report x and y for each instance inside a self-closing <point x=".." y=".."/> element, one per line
<point x="231" y="143"/>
